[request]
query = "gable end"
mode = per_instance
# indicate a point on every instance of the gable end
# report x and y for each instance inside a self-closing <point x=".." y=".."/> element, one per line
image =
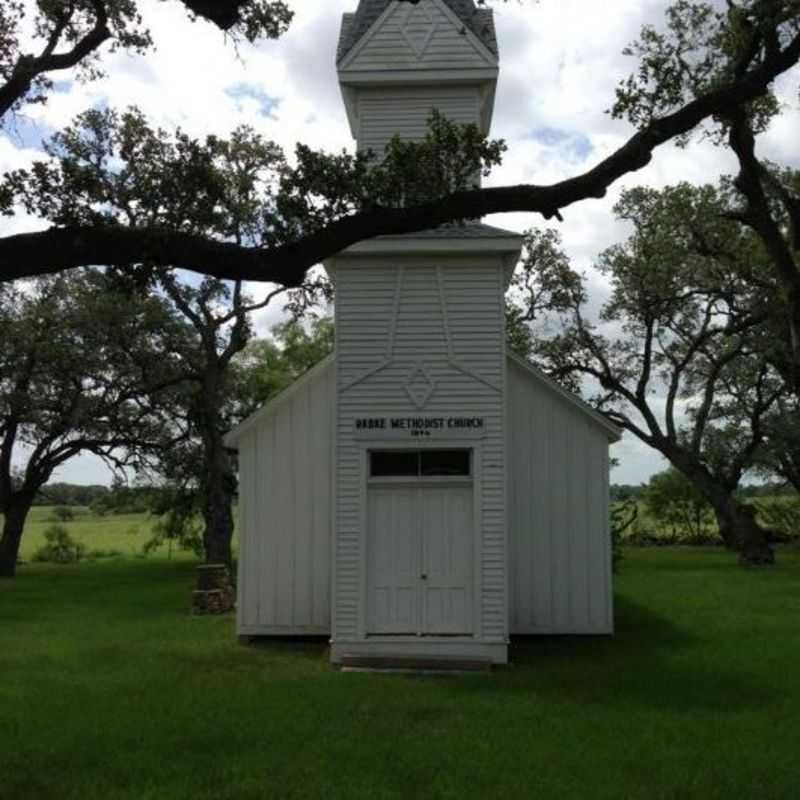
<point x="612" y="431"/>
<point x="357" y="26"/>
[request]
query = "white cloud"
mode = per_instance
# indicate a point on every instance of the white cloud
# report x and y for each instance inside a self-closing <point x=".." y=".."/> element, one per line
<point x="561" y="61"/>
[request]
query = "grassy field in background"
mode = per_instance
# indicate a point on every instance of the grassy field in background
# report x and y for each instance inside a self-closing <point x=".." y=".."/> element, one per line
<point x="123" y="533"/>
<point x="112" y="690"/>
<point x="647" y="525"/>
<point x="126" y="534"/>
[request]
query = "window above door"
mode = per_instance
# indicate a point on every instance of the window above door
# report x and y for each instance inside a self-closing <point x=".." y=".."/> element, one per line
<point x="420" y="464"/>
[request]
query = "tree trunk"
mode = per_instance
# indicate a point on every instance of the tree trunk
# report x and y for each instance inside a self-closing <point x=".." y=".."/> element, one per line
<point x="218" y="494"/>
<point x="737" y="523"/>
<point x="13" y="526"/>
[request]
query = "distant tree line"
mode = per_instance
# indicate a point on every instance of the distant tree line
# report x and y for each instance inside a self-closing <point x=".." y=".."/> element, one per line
<point x="669" y="509"/>
<point x="623" y="491"/>
<point x="69" y="494"/>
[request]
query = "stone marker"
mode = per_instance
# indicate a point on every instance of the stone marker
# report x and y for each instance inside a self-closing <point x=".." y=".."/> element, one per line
<point x="215" y="593"/>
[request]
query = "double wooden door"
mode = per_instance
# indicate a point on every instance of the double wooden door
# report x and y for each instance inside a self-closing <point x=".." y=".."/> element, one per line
<point x="420" y="542"/>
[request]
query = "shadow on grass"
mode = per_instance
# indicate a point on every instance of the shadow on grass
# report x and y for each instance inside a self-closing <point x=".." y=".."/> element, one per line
<point x="308" y="648"/>
<point x="649" y="664"/>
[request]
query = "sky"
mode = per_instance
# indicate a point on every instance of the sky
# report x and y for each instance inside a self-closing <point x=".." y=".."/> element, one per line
<point x="560" y="63"/>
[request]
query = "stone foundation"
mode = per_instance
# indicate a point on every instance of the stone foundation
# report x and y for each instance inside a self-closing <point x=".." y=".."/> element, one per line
<point x="215" y="593"/>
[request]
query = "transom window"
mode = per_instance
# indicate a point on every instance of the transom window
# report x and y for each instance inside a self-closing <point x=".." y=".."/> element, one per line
<point x="419" y="463"/>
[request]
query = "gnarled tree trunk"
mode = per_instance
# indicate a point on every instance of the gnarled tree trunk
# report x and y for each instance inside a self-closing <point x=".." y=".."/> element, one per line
<point x="737" y="526"/>
<point x="737" y="523"/>
<point x="218" y="494"/>
<point x="10" y="541"/>
<point x="218" y="484"/>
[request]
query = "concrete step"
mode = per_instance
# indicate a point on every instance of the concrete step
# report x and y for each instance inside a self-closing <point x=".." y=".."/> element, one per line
<point x="410" y="664"/>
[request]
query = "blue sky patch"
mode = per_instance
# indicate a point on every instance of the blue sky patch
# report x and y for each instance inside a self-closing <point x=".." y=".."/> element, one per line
<point x="26" y="133"/>
<point x="572" y="143"/>
<point x="266" y="103"/>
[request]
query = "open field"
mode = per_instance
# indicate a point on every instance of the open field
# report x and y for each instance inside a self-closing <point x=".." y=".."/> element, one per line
<point x="779" y="512"/>
<point x="110" y="689"/>
<point x="122" y="534"/>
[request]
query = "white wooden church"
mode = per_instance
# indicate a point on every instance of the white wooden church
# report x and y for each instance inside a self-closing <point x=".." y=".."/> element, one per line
<point x="422" y="493"/>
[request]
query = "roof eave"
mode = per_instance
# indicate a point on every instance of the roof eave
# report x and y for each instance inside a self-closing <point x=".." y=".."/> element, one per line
<point x="613" y="432"/>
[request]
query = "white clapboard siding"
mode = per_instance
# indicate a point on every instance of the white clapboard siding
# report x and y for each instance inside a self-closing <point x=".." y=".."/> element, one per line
<point x="393" y="318"/>
<point x="285" y="511"/>
<point x="405" y="111"/>
<point x="558" y="512"/>
<point x="422" y="36"/>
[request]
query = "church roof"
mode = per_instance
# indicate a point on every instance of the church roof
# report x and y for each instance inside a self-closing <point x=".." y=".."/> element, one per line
<point x="460" y="230"/>
<point x="354" y="26"/>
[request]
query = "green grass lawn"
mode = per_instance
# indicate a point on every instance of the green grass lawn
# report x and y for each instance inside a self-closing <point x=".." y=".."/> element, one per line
<point x="110" y="689"/>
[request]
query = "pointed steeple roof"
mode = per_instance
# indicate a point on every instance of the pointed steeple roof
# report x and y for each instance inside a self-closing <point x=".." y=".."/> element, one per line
<point x="354" y="26"/>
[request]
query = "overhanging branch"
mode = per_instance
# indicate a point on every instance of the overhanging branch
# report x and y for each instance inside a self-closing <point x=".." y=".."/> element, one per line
<point x="25" y="255"/>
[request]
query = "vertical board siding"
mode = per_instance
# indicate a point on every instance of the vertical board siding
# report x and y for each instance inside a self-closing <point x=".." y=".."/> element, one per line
<point x="286" y="511"/>
<point x="558" y="514"/>
<point x="247" y="577"/>
<point x="449" y="46"/>
<point x="388" y="320"/>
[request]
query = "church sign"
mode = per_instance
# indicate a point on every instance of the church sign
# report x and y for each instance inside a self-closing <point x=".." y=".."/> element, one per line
<point x="397" y="427"/>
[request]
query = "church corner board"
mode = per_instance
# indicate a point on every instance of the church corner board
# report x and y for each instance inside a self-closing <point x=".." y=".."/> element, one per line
<point x="422" y="493"/>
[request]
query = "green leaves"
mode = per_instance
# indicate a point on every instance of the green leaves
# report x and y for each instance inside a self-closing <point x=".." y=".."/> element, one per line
<point x="267" y="366"/>
<point x="112" y="167"/>
<point x="698" y="50"/>
<point x="263" y="19"/>
<point x="77" y="364"/>
<point x="450" y="158"/>
<point x="681" y="352"/>
<point x="323" y="188"/>
<point x="69" y="35"/>
<point x="674" y="501"/>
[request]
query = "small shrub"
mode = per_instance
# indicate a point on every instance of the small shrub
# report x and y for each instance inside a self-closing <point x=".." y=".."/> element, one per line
<point x="675" y="503"/>
<point x="60" y="547"/>
<point x="624" y="513"/>
<point x="639" y="534"/>
<point x="63" y="514"/>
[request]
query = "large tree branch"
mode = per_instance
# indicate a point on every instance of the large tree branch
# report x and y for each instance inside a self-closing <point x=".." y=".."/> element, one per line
<point x="758" y="216"/>
<point x="28" y="68"/>
<point x="764" y="400"/>
<point x="225" y="14"/>
<point x="57" y="249"/>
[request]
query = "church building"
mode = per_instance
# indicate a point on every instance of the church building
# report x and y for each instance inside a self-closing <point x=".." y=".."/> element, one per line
<point x="422" y="493"/>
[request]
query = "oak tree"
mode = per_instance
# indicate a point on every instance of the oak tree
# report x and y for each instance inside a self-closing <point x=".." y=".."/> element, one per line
<point x="41" y="38"/>
<point x="674" y="354"/>
<point x="113" y="169"/>
<point x="79" y="368"/>
<point x="703" y="46"/>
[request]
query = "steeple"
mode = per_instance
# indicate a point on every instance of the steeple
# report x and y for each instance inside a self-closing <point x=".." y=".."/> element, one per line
<point x="355" y="25"/>
<point x="398" y="60"/>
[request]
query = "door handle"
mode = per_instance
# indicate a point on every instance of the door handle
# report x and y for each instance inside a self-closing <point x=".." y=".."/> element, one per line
<point x="424" y="576"/>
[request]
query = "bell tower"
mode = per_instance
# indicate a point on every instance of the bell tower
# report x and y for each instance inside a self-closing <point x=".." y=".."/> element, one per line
<point x="398" y="60"/>
<point x="420" y="550"/>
